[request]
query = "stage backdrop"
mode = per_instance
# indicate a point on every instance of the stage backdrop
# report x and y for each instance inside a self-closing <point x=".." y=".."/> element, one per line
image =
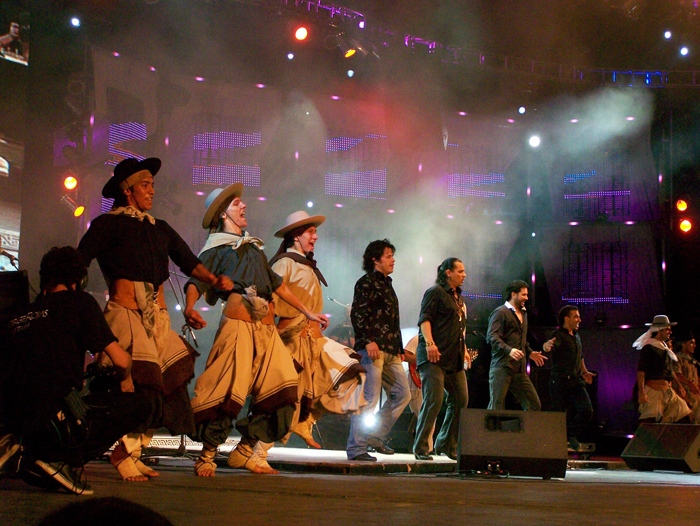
<point x="575" y="217"/>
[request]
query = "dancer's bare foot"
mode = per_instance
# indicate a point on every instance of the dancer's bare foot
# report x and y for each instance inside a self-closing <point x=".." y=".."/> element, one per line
<point x="204" y="467"/>
<point x="125" y="465"/>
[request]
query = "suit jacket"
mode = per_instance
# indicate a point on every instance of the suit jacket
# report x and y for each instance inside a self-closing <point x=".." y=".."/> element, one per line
<point x="505" y="332"/>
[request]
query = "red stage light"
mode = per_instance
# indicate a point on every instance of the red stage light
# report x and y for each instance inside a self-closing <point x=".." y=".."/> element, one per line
<point x="681" y="205"/>
<point x="301" y="33"/>
<point x="686" y="225"/>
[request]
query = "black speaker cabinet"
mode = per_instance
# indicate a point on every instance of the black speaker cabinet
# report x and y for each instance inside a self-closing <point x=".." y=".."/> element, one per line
<point x="668" y="447"/>
<point x="520" y="443"/>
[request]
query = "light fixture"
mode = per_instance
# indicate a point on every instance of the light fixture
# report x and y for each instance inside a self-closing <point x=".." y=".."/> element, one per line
<point x="301" y="33"/>
<point x="74" y="207"/>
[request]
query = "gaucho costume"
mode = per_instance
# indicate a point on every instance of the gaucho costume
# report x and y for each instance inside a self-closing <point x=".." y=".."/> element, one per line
<point x="132" y="249"/>
<point x="247" y="357"/>
<point x="331" y="378"/>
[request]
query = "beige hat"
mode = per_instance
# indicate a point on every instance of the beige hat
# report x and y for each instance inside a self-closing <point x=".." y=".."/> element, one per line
<point x="218" y="201"/>
<point x="297" y="219"/>
<point x="660" y="322"/>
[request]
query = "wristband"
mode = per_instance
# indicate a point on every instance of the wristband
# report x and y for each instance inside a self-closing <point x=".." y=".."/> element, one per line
<point x="429" y="344"/>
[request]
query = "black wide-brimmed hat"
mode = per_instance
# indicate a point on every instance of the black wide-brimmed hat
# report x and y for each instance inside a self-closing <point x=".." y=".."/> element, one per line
<point x="125" y="169"/>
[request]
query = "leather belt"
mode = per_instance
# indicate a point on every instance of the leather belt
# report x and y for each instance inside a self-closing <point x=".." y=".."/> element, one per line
<point x="237" y="309"/>
<point x="311" y="327"/>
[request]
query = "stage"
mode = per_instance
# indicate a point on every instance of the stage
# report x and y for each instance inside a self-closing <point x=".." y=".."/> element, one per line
<point x="322" y="487"/>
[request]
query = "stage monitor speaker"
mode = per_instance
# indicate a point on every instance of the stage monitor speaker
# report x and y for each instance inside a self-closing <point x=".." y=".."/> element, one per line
<point x="667" y="447"/>
<point x="520" y="443"/>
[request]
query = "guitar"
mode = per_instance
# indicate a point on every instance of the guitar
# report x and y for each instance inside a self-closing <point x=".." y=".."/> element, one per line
<point x="413" y="368"/>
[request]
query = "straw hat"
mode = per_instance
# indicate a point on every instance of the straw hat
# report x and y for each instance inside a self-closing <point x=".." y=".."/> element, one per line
<point x="297" y="219"/>
<point x="218" y="201"/>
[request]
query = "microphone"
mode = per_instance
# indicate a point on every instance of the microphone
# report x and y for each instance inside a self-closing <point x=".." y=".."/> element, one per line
<point x="336" y="301"/>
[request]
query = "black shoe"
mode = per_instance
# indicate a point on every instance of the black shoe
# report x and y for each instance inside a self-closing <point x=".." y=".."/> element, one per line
<point x="381" y="448"/>
<point x="66" y="476"/>
<point x="452" y="456"/>
<point x="574" y="444"/>
<point x="363" y="457"/>
<point x="420" y="456"/>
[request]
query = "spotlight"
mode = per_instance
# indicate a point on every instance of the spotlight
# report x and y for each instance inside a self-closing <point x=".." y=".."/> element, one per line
<point x="686" y="225"/>
<point x="310" y="204"/>
<point x="75" y="21"/>
<point x="345" y="47"/>
<point x="361" y="25"/>
<point x="681" y="205"/>
<point x="522" y="110"/>
<point x="301" y="33"/>
<point x="370" y="420"/>
<point x="667" y="35"/>
<point x="70" y="182"/>
<point x="684" y="51"/>
<point x="534" y="141"/>
<point x="351" y="73"/>
<point x="290" y="56"/>
<point x="73" y="206"/>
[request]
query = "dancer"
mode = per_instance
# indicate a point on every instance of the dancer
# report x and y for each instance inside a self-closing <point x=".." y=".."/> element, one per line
<point x="248" y="356"/>
<point x="332" y="378"/>
<point x="133" y="250"/>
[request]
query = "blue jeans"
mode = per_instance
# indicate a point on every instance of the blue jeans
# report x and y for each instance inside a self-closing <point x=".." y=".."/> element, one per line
<point x="436" y="382"/>
<point x="503" y="379"/>
<point x="385" y="372"/>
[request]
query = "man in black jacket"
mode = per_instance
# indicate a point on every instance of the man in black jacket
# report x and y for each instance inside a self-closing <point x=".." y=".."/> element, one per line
<point x="507" y="334"/>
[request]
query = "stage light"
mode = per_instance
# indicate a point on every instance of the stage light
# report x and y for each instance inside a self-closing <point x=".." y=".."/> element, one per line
<point x="681" y="205"/>
<point x="534" y="141"/>
<point x="351" y="73"/>
<point x="290" y="56"/>
<point x="573" y="121"/>
<point x="361" y="25"/>
<point x="345" y="47"/>
<point x="522" y="110"/>
<point x="370" y="420"/>
<point x="70" y="182"/>
<point x="686" y="225"/>
<point x="350" y="52"/>
<point x="75" y="21"/>
<point x="301" y="33"/>
<point x="667" y="35"/>
<point x="684" y="51"/>
<point x="73" y="206"/>
<point x="310" y="204"/>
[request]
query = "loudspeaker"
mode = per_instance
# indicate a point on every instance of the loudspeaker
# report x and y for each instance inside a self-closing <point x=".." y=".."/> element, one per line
<point x="668" y="447"/>
<point x="521" y="443"/>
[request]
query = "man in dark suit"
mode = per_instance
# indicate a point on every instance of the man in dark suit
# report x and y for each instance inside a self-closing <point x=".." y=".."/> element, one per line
<point x="507" y="335"/>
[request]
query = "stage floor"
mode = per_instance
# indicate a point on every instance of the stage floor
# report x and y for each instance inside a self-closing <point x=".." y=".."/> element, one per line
<point x="401" y="493"/>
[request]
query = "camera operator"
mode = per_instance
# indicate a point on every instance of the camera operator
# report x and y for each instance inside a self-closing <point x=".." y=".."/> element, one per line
<point x="42" y="362"/>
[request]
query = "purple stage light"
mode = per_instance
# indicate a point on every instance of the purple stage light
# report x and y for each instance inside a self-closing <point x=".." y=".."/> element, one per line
<point x="498" y="222"/>
<point x="152" y="68"/>
<point x="115" y="54"/>
<point x="573" y="121"/>
<point x="335" y="97"/>
<point x="262" y="198"/>
<point x="199" y="79"/>
<point x="338" y="205"/>
<point x="199" y="193"/>
<point x="573" y="223"/>
<point x="390" y="211"/>
<point x="260" y="86"/>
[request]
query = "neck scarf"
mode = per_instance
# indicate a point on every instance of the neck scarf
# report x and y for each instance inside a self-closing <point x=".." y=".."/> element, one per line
<point x="647" y="339"/>
<point x="308" y="260"/>
<point x="133" y="212"/>
<point x="218" y="239"/>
